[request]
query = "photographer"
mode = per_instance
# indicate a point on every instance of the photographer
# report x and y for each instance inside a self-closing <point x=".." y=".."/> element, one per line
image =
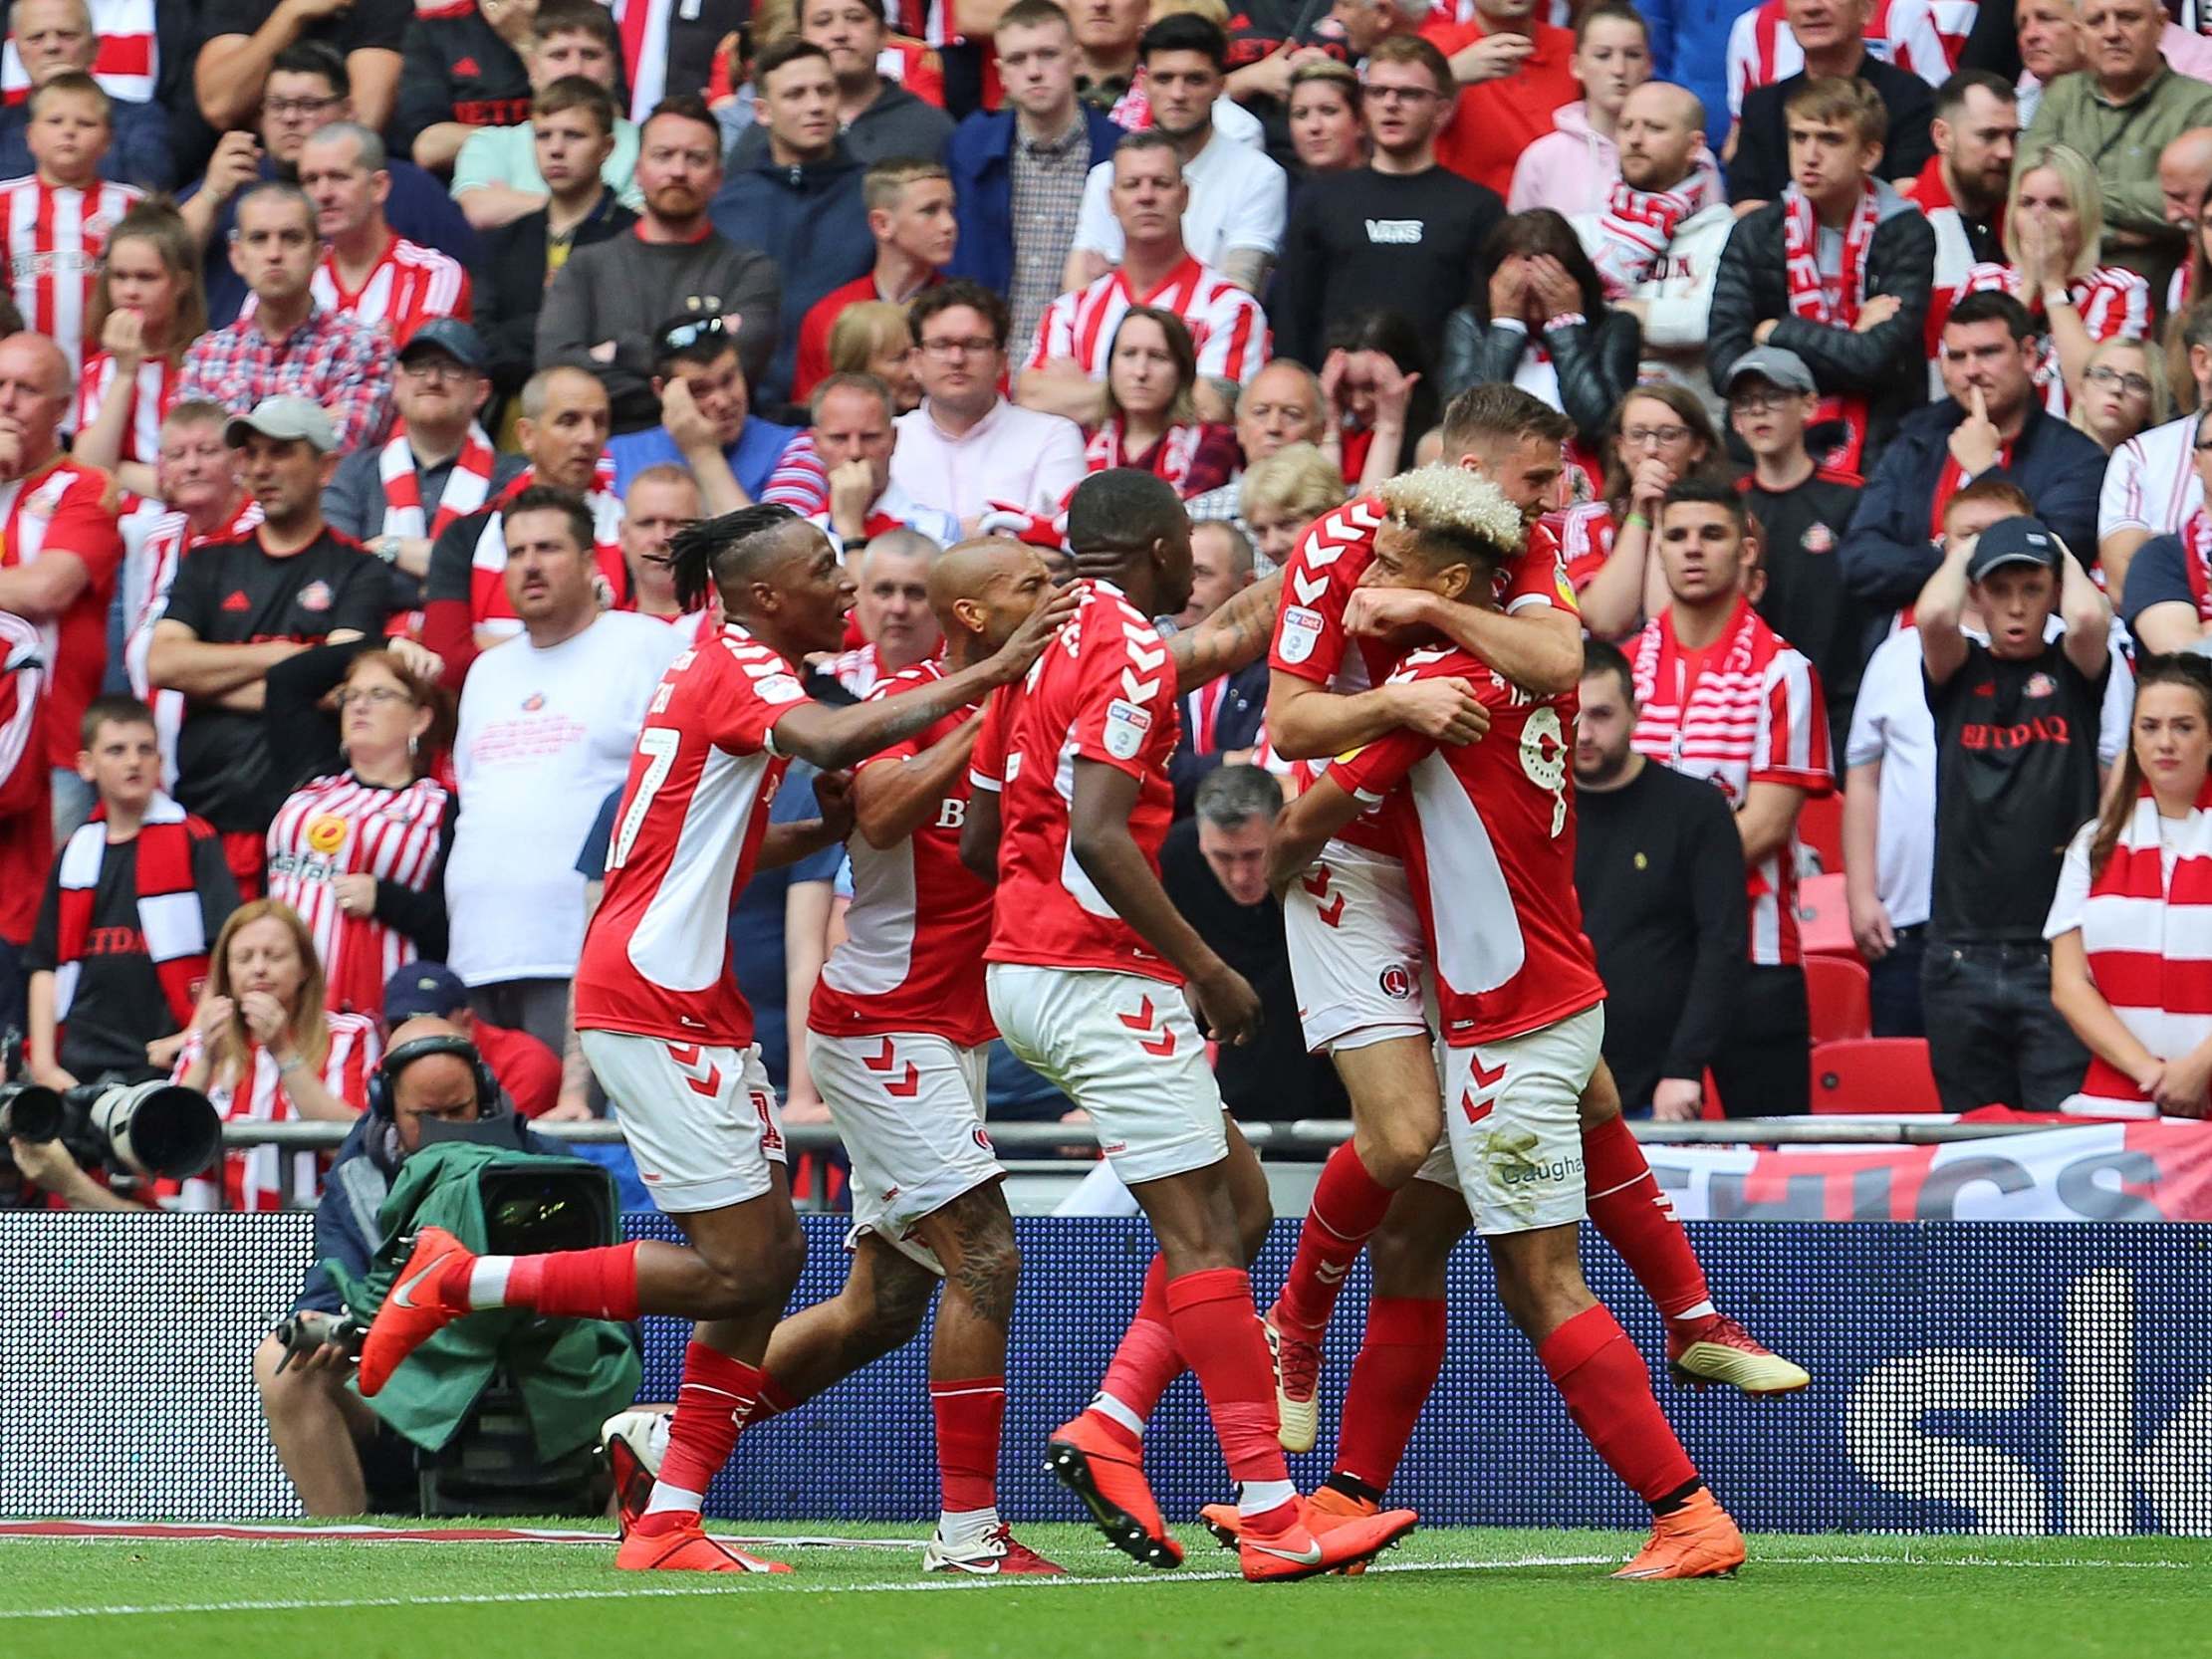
<point x="321" y="1429"/>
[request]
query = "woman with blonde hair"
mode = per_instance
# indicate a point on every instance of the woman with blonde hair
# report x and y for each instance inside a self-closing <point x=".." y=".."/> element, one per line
<point x="148" y="307"/>
<point x="2055" y="227"/>
<point x="2133" y="908"/>
<point x="875" y="338"/>
<point x="1152" y="420"/>
<point x="265" y="1049"/>
<point x="1283" y="494"/>
<point x="2123" y="393"/>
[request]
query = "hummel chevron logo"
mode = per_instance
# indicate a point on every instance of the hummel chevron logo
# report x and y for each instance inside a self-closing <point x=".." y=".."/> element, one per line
<point x="1146" y="662"/>
<point x="908" y="1087"/>
<point x="1490" y="1079"/>
<point x="1142" y="1020"/>
<point x="1331" y="1272"/>
<point x="884" y="1059"/>
<point x="706" y="1082"/>
<point x="1308" y="591"/>
<point x="1317" y="882"/>
<point x="1475" y="1113"/>
<point x="1136" y="690"/>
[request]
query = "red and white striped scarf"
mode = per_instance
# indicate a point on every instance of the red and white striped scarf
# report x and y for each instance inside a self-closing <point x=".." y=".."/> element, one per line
<point x="467" y="487"/>
<point x="2144" y="934"/>
<point x="168" y="906"/>
<point x="1168" y="459"/>
<point x="2196" y="556"/>
<point x="1637" y="226"/>
<point x="1810" y="297"/>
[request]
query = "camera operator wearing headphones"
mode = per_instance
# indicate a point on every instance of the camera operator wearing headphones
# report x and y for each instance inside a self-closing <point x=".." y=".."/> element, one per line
<point x="321" y="1428"/>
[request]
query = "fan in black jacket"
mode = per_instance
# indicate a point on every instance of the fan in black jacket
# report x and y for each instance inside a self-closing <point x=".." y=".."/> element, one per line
<point x="1538" y="312"/>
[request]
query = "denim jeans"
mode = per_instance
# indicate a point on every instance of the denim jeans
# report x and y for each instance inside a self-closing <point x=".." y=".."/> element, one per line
<point x="1893" y="987"/>
<point x="1993" y="1037"/>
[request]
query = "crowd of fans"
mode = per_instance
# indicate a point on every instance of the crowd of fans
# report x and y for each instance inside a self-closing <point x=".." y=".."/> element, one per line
<point x="360" y="364"/>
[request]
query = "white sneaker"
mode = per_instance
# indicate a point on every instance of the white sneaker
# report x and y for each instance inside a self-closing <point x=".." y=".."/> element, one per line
<point x="986" y="1555"/>
<point x="646" y="1433"/>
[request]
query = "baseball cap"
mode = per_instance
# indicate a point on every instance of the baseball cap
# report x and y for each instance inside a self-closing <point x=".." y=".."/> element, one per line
<point x="284" y="416"/>
<point x="448" y="334"/>
<point x="2016" y="540"/>
<point x="1775" y="365"/>
<point x="423" y="988"/>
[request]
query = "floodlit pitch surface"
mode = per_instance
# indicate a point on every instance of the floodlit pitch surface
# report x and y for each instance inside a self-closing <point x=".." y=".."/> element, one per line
<point x="1457" y="1592"/>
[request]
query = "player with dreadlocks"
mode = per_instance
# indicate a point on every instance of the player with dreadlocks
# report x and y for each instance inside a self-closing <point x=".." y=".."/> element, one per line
<point x="662" y="1018"/>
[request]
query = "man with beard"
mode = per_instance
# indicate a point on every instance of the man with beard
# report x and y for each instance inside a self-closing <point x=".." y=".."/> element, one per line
<point x="601" y="312"/>
<point x="1659" y="867"/>
<point x="1963" y="188"/>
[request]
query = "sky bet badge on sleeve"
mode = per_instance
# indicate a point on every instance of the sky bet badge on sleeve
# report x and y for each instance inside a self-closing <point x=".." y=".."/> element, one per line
<point x="1125" y="726"/>
<point x="1301" y="627"/>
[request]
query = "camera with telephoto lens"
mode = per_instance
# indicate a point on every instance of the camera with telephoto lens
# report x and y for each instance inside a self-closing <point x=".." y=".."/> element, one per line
<point x="305" y="1332"/>
<point x="149" y="1130"/>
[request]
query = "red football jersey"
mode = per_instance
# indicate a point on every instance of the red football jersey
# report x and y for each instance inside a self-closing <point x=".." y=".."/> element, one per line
<point x="1489" y="828"/>
<point x="1309" y="638"/>
<point x="912" y="956"/>
<point x="657" y="960"/>
<point x="66" y="507"/>
<point x="1102" y="691"/>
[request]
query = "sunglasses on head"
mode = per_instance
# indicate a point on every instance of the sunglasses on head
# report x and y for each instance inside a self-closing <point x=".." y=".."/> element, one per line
<point x="684" y="336"/>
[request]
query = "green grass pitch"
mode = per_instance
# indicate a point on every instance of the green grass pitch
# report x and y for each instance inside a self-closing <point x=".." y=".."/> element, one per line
<point x="1456" y="1593"/>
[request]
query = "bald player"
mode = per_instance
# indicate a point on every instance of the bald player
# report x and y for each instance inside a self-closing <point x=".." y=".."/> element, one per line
<point x="901" y="1032"/>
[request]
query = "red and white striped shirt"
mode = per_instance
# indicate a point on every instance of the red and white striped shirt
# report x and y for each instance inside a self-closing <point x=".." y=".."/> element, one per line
<point x="1226" y="325"/>
<point x="2146" y="928"/>
<point x="1907" y="33"/>
<point x="912" y="956"/>
<point x="489" y="608"/>
<point x="152" y="394"/>
<point x="338" y="825"/>
<point x="2114" y="301"/>
<point x="407" y="286"/>
<point x="1744" y="710"/>
<point x="55" y="235"/>
<point x="126" y="62"/>
<point x="256" y="1178"/>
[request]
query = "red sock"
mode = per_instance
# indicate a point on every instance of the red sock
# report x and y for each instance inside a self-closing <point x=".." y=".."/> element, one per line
<point x="772" y="1399"/>
<point x="577" y="1283"/>
<point x="1218" y="1331"/>
<point x="1607" y="1391"/>
<point x="1390" y="1381"/>
<point x="1349" y="1205"/>
<point x="711" y="1404"/>
<point x="1148" y="1359"/>
<point x="1638" y="1219"/>
<point x="969" y="1414"/>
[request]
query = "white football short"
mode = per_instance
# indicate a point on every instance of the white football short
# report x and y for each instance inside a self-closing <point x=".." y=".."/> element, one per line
<point x="701" y="1122"/>
<point x="1513" y="1138"/>
<point x="909" y="1110"/>
<point x="1126" y="1049"/>
<point x="1358" y="959"/>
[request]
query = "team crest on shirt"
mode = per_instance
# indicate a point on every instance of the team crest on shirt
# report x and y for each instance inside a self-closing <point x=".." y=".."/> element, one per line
<point x="1818" y="539"/>
<point x="1300" y="630"/>
<point x="1125" y="726"/>
<point x="779" y="688"/>
<point x="316" y="596"/>
<point x="534" y="703"/>
<point x="326" y="834"/>
<point x="2038" y="685"/>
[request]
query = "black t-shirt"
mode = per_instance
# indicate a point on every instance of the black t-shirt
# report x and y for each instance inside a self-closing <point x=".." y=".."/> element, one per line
<point x="458" y="69"/>
<point x="1274" y="1077"/>
<point x="1660" y="868"/>
<point x="2015" y="778"/>
<point x="1264" y="27"/>
<point x="233" y="593"/>
<point x="362" y="26"/>
<point x="118" y="1006"/>
<point x="1805" y="600"/>
<point x="2157" y="574"/>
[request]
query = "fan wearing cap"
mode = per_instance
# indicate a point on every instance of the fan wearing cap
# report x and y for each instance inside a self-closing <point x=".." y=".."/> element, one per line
<point x="241" y="605"/>
<point x="438" y="465"/>
<point x="1802" y="509"/>
<point x="707" y="424"/>
<point x="528" y="1071"/>
<point x="2016" y="732"/>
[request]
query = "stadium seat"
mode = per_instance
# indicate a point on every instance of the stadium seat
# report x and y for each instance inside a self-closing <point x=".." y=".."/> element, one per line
<point x="1837" y="989"/>
<point x="1873" y="1075"/>
<point x="1823" y="918"/>
<point x="1820" y="831"/>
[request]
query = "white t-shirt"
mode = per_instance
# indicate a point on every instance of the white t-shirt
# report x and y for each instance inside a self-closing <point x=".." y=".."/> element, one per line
<point x="544" y="735"/>
<point x="1890" y="723"/>
<point x="1238" y="199"/>
<point x="2151" y="482"/>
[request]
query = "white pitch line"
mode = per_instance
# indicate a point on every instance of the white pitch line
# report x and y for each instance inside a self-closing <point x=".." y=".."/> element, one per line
<point x="907" y="1586"/>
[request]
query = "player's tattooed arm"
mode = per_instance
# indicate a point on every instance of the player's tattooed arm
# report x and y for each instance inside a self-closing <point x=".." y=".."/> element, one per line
<point x="834" y="738"/>
<point x="1100" y="843"/>
<point x="1305" y="722"/>
<point x="1234" y="636"/>
<point x="1303" y="828"/>
<point x="890" y="802"/>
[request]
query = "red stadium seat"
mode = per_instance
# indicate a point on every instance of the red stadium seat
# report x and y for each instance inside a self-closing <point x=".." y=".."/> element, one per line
<point x="1823" y="918"/>
<point x="1873" y="1075"/>
<point x="1820" y="827"/>
<point x="1837" y="988"/>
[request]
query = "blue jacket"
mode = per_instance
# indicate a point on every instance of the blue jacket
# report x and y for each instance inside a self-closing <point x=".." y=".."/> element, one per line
<point x="812" y="222"/>
<point x="980" y="158"/>
<point x="1888" y="553"/>
<point x="1689" y="47"/>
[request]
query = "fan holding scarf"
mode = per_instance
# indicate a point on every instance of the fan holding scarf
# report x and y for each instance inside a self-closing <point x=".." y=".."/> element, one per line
<point x="1839" y="271"/>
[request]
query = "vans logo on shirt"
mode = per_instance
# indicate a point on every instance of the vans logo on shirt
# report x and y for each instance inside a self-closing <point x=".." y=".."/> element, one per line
<point x="1396" y="233"/>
